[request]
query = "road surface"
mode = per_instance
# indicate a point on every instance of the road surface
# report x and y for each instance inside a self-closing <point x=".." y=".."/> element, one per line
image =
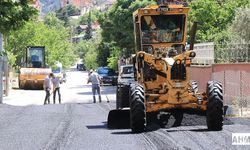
<point x="78" y="124"/>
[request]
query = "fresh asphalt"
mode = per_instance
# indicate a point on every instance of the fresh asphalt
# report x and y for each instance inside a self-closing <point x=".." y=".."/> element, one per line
<point x="77" y="123"/>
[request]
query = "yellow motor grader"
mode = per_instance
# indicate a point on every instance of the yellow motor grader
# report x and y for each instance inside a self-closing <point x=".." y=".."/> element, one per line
<point x="162" y="79"/>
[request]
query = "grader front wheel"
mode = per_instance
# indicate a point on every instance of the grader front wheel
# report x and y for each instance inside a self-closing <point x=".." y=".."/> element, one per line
<point x="215" y="106"/>
<point x="137" y="109"/>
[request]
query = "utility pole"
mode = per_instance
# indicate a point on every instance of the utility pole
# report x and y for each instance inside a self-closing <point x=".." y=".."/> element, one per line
<point x="1" y="68"/>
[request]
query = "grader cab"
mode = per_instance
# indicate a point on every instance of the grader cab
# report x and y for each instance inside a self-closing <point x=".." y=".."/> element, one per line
<point x="160" y="68"/>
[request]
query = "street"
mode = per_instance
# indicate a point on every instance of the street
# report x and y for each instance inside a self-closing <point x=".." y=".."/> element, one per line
<point x="77" y="123"/>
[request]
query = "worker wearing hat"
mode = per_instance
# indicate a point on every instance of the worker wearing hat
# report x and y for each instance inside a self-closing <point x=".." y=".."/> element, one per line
<point x="95" y="79"/>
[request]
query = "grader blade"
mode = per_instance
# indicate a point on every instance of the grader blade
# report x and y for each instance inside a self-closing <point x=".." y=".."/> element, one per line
<point x="119" y="119"/>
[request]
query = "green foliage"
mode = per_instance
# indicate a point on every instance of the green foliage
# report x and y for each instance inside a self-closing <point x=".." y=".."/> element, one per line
<point x="214" y="17"/>
<point x="11" y="58"/>
<point x="82" y="48"/>
<point x="87" y="50"/>
<point x="236" y="48"/>
<point x="117" y="24"/>
<point x="53" y="36"/>
<point x="240" y="26"/>
<point x="88" y="32"/>
<point x="90" y="56"/>
<point x="117" y="27"/>
<point x="84" y="18"/>
<point x="13" y="15"/>
<point x="64" y="13"/>
<point x="113" y="59"/>
<point x="90" y="60"/>
<point x="52" y="21"/>
<point x="103" y="52"/>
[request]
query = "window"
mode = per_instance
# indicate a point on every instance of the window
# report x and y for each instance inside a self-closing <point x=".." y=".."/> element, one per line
<point x="163" y="28"/>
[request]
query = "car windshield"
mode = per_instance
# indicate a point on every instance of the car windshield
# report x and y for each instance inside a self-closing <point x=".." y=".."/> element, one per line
<point x="106" y="71"/>
<point x="111" y="72"/>
<point x="103" y="71"/>
<point x="163" y="28"/>
<point x="127" y="70"/>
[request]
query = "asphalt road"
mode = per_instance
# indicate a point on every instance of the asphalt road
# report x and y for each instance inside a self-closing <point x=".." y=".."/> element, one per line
<point x="77" y="123"/>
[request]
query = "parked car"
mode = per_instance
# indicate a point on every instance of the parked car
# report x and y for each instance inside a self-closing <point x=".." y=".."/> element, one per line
<point x="108" y="75"/>
<point x="80" y="67"/>
<point x="126" y="74"/>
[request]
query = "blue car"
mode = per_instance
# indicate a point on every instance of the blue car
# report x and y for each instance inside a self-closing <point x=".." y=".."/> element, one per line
<point x="108" y="75"/>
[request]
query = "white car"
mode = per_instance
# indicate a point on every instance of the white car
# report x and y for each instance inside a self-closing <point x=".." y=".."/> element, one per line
<point x="126" y="74"/>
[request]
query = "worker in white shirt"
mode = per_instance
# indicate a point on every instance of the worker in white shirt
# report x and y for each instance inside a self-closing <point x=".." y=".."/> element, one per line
<point x="56" y="88"/>
<point x="47" y="88"/>
<point x="95" y="79"/>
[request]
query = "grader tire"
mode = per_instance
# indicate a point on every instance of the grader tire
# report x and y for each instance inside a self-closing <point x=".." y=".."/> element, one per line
<point x="137" y="109"/>
<point x="215" y="106"/>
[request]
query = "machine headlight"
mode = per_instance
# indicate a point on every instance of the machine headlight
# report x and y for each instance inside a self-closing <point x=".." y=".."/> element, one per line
<point x="192" y="54"/>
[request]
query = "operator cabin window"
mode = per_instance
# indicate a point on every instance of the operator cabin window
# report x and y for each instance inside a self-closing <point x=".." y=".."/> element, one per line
<point x="35" y="58"/>
<point x="163" y="28"/>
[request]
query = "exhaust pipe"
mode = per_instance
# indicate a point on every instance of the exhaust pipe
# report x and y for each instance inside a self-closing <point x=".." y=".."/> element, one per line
<point x="192" y="35"/>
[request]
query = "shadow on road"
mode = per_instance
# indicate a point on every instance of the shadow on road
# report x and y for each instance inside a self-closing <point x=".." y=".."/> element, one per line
<point x="80" y="86"/>
<point x="122" y="132"/>
<point x="101" y="126"/>
<point x="194" y="130"/>
<point x="168" y="120"/>
<point x="104" y="126"/>
<point x="104" y="91"/>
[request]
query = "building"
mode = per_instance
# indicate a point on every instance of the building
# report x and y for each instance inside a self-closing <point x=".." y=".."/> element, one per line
<point x="77" y="3"/>
<point x="46" y="6"/>
<point x="105" y="5"/>
<point x="49" y="6"/>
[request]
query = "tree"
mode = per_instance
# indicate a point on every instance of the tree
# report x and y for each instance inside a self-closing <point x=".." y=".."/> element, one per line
<point x="214" y="17"/>
<point x="14" y="14"/>
<point x="240" y="26"/>
<point x="82" y="48"/>
<point x="64" y="13"/>
<point x="87" y="50"/>
<point x="90" y="57"/>
<point x="90" y="60"/>
<point x="52" y="21"/>
<point x="83" y="19"/>
<point x="113" y="59"/>
<point x="103" y="53"/>
<point x="237" y="47"/>
<point x="55" y="38"/>
<point x="117" y="26"/>
<point x="88" y="33"/>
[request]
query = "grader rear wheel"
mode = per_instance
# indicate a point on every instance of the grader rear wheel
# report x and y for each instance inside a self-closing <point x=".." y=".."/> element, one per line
<point x="215" y="106"/>
<point x="137" y="109"/>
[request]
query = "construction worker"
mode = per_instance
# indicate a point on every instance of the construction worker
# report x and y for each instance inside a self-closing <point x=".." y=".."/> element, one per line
<point x="47" y="88"/>
<point x="56" y="88"/>
<point x="95" y="79"/>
